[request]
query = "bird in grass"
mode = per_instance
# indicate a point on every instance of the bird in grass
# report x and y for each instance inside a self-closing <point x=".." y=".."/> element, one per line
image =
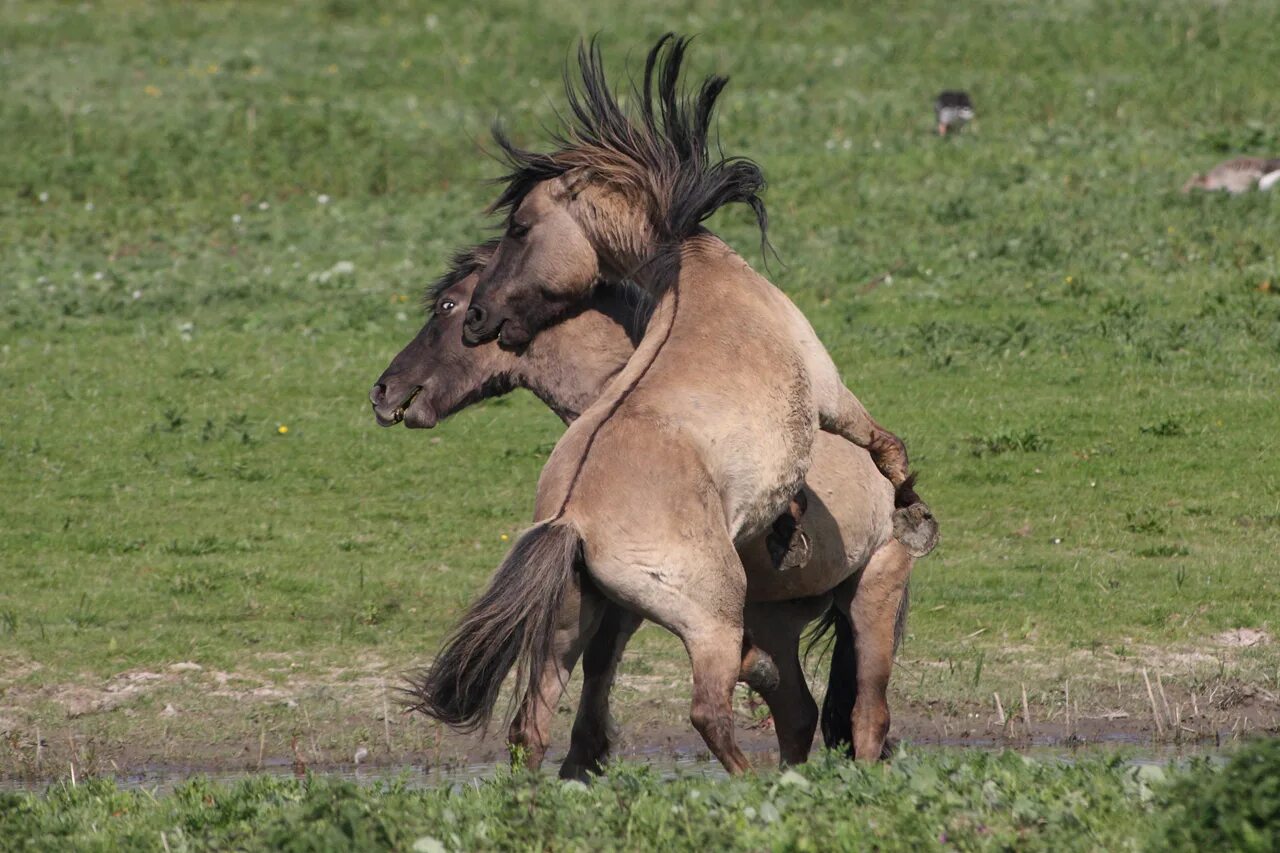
<point x="954" y="110"/>
<point x="1238" y="175"/>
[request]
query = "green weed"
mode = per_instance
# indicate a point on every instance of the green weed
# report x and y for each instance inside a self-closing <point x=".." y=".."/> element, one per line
<point x="1007" y="441"/>
<point x="973" y="801"/>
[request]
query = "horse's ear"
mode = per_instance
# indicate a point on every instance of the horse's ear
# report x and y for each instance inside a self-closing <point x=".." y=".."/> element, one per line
<point x="575" y="181"/>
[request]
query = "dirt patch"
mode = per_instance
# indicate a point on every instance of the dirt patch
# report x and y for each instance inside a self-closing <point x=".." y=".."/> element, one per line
<point x="14" y="669"/>
<point x="123" y="688"/>
<point x="1243" y="638"/>
<point x="658" y="741"/>
<point x="188" y="716"/>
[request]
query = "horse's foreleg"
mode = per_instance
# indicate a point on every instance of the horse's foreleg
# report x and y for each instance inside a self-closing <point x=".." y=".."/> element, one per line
<point x="913" y="521"/>
<point x="874" y="614"/>
<point x="530" y="731"/>
<point x="776" y="628"/>
<point x="845" y="416"/>
<point x="589" y="744"/>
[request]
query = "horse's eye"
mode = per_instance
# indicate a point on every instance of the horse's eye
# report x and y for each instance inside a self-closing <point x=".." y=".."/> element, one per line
<point x="446" y="306"/>
<point x="516" y="230"/>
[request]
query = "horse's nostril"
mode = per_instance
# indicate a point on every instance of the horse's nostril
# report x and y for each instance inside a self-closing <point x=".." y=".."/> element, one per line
<point x="378" y="394"/>
<point x="475" y="315"/>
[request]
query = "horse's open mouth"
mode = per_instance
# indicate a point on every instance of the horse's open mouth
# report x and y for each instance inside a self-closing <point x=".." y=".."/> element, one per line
<point x="512" y="336"/>
<point x="398" y="415"/>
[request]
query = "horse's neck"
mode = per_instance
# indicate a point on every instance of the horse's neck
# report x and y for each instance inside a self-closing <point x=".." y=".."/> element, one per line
<point x="657" y="274"/>
<point x="568" y="365"/>
<point x="705" y="278"/>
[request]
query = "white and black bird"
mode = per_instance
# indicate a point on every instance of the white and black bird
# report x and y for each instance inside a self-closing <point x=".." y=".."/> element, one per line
<point x="1238" y="175"/>
<point x="954" y="110"/>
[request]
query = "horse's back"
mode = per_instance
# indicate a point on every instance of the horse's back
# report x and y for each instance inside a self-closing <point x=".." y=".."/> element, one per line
<point x="723" y="380"/>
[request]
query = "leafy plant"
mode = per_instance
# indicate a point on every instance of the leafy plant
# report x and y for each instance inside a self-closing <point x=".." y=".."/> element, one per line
<point x="1007" y="441"/>
<point x="1235" y="806"/>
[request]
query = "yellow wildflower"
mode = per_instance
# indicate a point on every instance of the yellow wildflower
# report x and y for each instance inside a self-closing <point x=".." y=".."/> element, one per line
<point x="282" y="429"/>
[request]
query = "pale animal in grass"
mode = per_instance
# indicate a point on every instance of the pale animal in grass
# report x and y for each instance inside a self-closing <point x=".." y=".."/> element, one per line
<point x="1237" y="175"/>
<point x="695" y="447"/>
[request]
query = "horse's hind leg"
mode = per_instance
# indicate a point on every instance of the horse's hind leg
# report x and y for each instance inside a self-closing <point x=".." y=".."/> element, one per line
<point x="776" y="628"/>
<point x="873" y="612"/>
<point x="592" y="728"/>
<point x="713" y="651"/>
<point x="589" y="744"/>
<point x="530" y="732"/>
<point x="694" y="587"/>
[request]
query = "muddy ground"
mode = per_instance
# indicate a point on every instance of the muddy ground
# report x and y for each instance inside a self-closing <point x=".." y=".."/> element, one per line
<point x="185" y="719"/>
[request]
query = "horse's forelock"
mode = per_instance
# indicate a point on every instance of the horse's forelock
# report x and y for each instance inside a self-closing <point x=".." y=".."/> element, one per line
<point x="463" y="263"/>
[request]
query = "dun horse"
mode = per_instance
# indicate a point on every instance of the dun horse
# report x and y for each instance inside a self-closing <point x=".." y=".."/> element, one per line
<point x="848" y="515"/>
<point x="697" y="445"/>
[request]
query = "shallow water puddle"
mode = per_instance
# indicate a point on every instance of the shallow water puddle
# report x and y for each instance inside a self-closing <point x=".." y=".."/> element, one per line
<point x="670" y="763"/>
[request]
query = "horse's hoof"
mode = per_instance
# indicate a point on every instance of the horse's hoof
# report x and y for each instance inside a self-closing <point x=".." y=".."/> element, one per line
<point x="916" y="528"/>
<point x="576" y="772"/>
<point x="759" y="672"/>
<point x="798" y="554"/>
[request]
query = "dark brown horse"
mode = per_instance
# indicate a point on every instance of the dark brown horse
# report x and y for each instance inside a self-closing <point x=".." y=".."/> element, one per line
<point x="567" y="367"/>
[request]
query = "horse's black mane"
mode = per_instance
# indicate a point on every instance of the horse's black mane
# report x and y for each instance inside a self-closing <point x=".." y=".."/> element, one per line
<point x="637" y="305"/>
<point x="463" y="263"/>
<point x="662" y="152"/>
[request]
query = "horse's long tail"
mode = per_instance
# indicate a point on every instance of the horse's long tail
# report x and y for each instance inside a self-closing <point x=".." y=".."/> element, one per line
<point x="842" y="681"/>
<point x="512" y="625"/>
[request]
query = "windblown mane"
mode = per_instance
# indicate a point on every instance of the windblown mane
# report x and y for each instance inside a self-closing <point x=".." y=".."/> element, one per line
<point x="659" y="157"/>
<point x="637" y="305"/>
<point x="463" y="263"/>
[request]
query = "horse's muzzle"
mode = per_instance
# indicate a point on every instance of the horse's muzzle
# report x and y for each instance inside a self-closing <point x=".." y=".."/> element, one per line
<point x="390" y="410"/>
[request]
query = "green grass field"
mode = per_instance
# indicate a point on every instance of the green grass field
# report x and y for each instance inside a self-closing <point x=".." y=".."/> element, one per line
<point x="216" y="221"/>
